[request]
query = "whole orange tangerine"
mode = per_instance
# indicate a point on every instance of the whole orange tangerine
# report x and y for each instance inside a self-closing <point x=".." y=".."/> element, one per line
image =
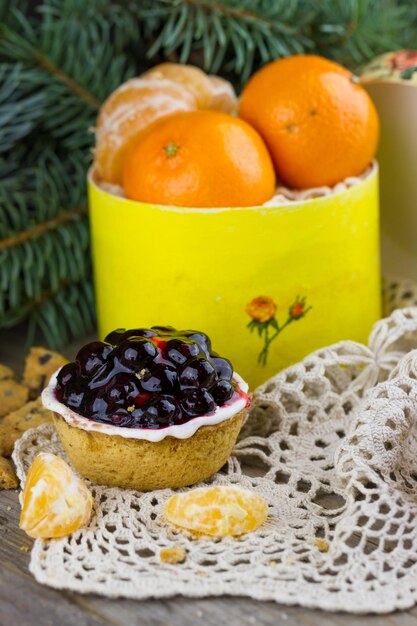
<point x="320" y="125"/>
<point x="200" y="159"/>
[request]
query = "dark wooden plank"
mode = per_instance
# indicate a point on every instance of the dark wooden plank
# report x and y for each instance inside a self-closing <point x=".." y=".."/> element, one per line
<point x="23" y="602"/>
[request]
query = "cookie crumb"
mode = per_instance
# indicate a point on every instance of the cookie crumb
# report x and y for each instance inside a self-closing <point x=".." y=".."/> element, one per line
<point x="173" y="555"/>
<point x="8" y="478"/>
<point x="322" y="545"/>
<point x="24" y="548"/>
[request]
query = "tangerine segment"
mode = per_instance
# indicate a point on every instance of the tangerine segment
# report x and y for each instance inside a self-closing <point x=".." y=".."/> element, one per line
<point x="126" y="113"/>
<point x="217" y="511"/>
<point x="55" y="502"/>
<point x="192" y="78"/>
<point x="210" y="92"/>
<point x="320" y="125"/>
<point x="223" y="96"/>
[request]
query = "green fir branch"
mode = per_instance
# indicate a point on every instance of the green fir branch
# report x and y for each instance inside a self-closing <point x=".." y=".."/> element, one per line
<point x="354" y="31"/>
<point x="229" y="35"/>
<point x="58" y="66"/>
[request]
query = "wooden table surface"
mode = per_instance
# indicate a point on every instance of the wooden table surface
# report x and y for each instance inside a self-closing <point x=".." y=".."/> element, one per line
<point x="23" y="602"/>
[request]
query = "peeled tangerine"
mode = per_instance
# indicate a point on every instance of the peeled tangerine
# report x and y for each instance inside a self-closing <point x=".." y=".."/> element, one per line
<point x="217" y="511"/>
<point x="55" y="502"/>
<point x="165" y="89"/>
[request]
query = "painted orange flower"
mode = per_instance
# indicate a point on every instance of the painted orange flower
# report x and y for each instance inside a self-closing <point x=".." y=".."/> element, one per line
<point x="298" y="309"/>
<point x="404" y="59"/>
<point x="261" y="309"/>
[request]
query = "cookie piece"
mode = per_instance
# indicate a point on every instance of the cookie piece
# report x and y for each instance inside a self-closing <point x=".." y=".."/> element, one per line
<point x="40" y="364"/>
<point x="8" y="478"/>
<point x="8" y="436"/>
<point x="30" y="415"/>
<point x="12" y="396"/>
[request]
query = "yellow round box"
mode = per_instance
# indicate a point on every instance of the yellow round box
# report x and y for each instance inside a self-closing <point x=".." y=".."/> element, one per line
<point x="267" y="284"/>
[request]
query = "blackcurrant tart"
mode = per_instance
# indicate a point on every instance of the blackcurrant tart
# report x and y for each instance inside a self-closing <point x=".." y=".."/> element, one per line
<point x="148" y="408"/>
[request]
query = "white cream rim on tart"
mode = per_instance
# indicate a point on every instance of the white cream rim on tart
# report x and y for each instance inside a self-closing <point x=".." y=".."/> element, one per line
<point x="180" y="431"/>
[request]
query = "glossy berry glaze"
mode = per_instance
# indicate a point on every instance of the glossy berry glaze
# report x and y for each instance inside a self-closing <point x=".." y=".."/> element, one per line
<point x="147" y="378"/>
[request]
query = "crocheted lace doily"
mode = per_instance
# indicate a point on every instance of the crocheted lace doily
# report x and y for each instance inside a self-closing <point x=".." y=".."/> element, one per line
<point x="331" y="444"/>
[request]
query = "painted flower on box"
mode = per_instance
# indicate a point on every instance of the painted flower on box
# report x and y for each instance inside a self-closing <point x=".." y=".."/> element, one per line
<point x="393" y="66"/>
<point x="404" y="59"/>
<point x="262" y="310"/>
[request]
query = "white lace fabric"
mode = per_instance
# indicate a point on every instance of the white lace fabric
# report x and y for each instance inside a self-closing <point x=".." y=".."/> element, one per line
<point x="330" y="443"/>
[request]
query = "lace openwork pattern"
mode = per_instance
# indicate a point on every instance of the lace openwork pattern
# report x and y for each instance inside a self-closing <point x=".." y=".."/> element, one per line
<point x="331" y="443"/>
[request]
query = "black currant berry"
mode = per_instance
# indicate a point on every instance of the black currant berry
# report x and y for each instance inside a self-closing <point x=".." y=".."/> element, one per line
<point x="181" y="350"/>
<point x="67" y="375"/>
<point x="198" y="402"/>
<point x="105" y="373"/>
<point x="201" y="338"/>
<point x="223" y="367"/>
<point x="122" y="417"/>
<point x="115" y="337"/>
<point x="75" y="397"/>
<point x="122" y="387"/>
<point x="99" y="406"/>
<point x="136" y="353"/>
<point x="92" y="357"/>
<point x="139" y="332"/>
<point x="222" y="391"/>
<point x="197" y="373"/>
<point x="160" y="379"/>
<point x="137" y="415"/>
<point x="166" y="409"/>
